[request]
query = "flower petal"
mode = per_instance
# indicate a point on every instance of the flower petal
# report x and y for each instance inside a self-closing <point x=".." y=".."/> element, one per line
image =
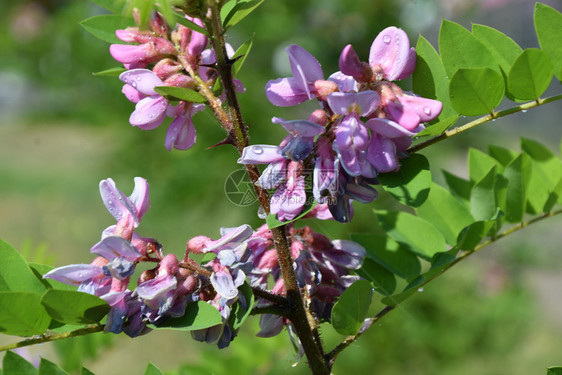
<point x="388" y="128"/>
<point x="143" y="80"/>
<point x="116" y="202"/>
<point x="391" y="51"/>
<point x="149" y="112"/>
<point x="284" y="92"/>
<point x="382" y="154"/>
<point x="260" y="154"/>
<point x="181" y="133"/>
<point x="273" y="175"/>
<point x="223" y="284"/>
<point x="305" y="68"/>
<point x="74" y="274"/>
<point x="363" y="103"/>
<point x="426" y="109"/>
<point x="299" y="128"/>
<point x="114" y="247"/>
<point x="140" y="198"/>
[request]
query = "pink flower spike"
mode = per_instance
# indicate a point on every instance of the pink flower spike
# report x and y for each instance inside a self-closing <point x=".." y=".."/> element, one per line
<point x="149" y="112"/>
<point x="143" y="80"/>
<point x="391" y="51"/>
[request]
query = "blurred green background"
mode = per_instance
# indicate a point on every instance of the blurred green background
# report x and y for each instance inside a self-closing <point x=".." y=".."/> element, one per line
<point x="62" y="130"/>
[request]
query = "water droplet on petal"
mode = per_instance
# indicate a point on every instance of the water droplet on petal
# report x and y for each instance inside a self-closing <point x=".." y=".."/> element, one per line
<point x="386" y="39"/>
<point x="109" y="202"/>
<point x="397" y="37"/>
<point x="420" y="290"/>
<point x="134" y="84"/>
<point x="261" y="213"/>
<point x="258" y="150"/>
<point x="427" y="110"/>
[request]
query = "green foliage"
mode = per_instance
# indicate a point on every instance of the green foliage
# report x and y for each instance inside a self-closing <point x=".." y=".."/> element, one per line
<point x="476" y="91"/>
<point x="72" y="307"/>
<point x="555" y="370"/>
<point x="16" y="364"/>
<point x="103" y="27"/>
<point x="530" y="75"/>
<point x="22" y="314"/>
<point x="410" y="185"/>
<point x="240" y="311"/>
<point x="49" y="368"/>
<point x="548" y="23"/>
<point x="15" y="274"/>
<point x="198" y="315"/>
<point x="240" y="11"/>
<point x="351" y="309"/>
<point x="152" y="370"/>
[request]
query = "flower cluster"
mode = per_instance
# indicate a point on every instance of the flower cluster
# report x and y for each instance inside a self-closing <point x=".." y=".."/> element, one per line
<point x="366" y="124"/>
<point x="174" y="55"/>
<point x="165" y="290"/>
<point x="322" y="268"/>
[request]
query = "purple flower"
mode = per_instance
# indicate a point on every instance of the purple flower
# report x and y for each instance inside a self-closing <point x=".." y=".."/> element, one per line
<point x="289" y="198"/>
<point x="119" y="205"/>
<point x="391" y="55"/>
<point x="387" y="140"/>
<point x="286" y="92"/>
<point x="181" y="133"/>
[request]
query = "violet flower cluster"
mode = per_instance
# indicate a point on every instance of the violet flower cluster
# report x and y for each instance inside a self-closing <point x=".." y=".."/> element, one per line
<point x="365" y="126"/>
<point x="165" y="289"/>
<point x="322" y="268"/>
<point x="171" y="54"/>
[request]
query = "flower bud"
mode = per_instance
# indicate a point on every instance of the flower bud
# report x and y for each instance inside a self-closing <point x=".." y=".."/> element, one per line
<point x="324" y="88"/>
<point x="187" y="286"/>
<point x="158" y="24"/>
<point x="165" y="68"/>
<point x="318" y="117"/>
<point x="168" y="265"/>
<point x="180" y="80"/>
<point x="147" y="275"/>
<point x="197" y="244"/>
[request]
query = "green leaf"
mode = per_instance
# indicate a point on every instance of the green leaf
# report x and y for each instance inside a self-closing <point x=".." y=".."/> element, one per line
<point x="74" y="307"/>
<point x="115" y="6"/>
<point x="517" y="175"/>
<point x="410" y="289"/>
<point x="482" y="197"/>
<point x="460" y="50"/>
<point x="49" y="368"/>
<point x="476" y="91"/>
<point x="389" y="254"/>
<point x="180" y="18"/>
<point x="15" y="274"/>
<point x="548" y="23"/>
<point x="242" y="53"/>
<point x="180" y="93"/>
<point x="530" y="75"/>
<point x="503" y="155"/>
<point x="471" y="236"/>
<point x="555" y="370"/>
<point x="111" y="72"/>
<point x="445" y="212"/>
<point x="85" y="371"/>
<point x="239" y="313"/>
<point x="14" y="364"/>
<point x="430" y="79"/>
<point x="103" y="27"/>
<point x="410" y="185"/>
<point x="546" y="173"/>
<point x="198" y="315"/>
<point x="459" y="187"/>
<point x="152" y="370"/>
<point x="351" y="309"/>
<point x="240" y="11"/>
<point x="22" y="314"/>
<point x="439" y="127"/>
<point x="381" y="279"/>
<point x="502" y="47"/>
<point x="415" y="233"/>
<point x="479" y="164"/>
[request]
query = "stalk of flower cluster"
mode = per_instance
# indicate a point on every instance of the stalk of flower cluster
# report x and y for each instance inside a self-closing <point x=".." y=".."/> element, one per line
<point x="239" y="136"/>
